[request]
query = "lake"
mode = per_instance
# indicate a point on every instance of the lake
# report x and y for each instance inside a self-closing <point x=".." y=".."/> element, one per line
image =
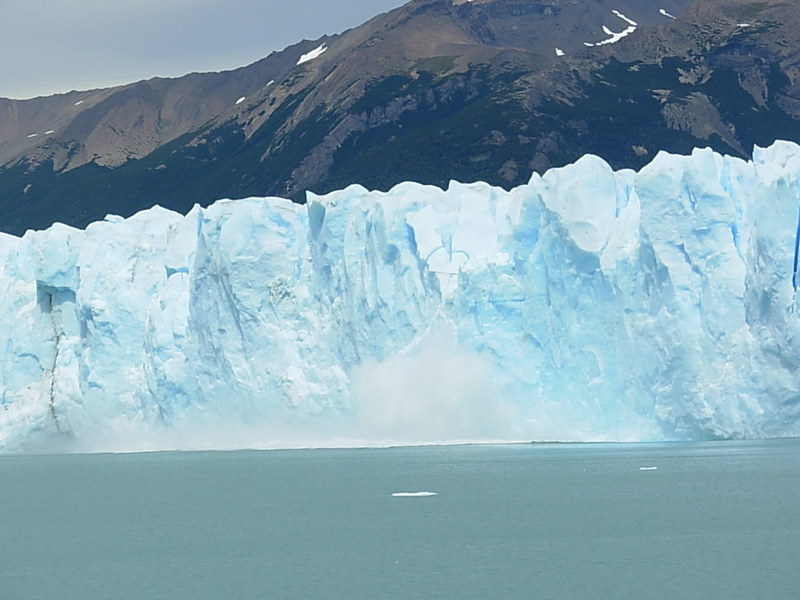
<point x="717" y="520"/>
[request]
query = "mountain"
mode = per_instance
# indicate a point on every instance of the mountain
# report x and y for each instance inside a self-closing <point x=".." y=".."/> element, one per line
<point x="435" y="90"/>
<point x="588" y="304"/>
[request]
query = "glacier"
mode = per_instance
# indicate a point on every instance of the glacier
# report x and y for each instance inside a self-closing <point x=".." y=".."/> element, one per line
<point x="586" y="305"/>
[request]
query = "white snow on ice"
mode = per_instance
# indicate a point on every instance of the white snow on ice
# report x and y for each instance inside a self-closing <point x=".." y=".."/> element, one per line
<point x="313" y="54"/>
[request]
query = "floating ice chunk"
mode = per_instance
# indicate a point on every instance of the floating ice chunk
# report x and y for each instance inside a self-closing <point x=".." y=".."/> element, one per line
<point x="559" y="52"/>
<point x="240" y="100"/>
<point x="413" y="494"/>
<point x="663" y="12"/>
<point x="316" y="52"/>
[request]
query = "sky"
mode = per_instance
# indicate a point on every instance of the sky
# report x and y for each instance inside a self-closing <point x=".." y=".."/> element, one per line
<point x="52" y="46"/>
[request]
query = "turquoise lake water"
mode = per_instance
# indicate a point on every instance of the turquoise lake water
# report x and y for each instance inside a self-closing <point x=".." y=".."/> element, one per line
<point x="715" y="520"/>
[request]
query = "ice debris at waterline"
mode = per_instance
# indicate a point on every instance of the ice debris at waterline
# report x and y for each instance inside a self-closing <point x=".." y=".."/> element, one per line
<point x="587" y="305"/>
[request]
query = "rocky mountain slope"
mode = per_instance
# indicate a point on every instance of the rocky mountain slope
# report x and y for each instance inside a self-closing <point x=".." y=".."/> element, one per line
<point x="432" y="91"/>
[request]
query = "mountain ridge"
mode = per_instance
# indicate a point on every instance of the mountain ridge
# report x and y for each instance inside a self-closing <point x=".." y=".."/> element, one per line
<point x="431" y="91"/>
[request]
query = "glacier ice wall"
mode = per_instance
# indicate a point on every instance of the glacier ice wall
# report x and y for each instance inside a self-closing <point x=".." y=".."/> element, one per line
<point x="589" y="304"/>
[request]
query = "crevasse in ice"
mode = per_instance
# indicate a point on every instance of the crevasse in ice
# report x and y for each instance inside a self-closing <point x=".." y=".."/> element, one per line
<point x="588" y="304"/>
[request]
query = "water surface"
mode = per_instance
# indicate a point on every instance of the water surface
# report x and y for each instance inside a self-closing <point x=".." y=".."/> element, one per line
<point x="708" y="520"/>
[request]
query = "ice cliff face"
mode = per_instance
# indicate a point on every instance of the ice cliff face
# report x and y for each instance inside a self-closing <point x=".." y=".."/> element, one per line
<point x="588" y="304"/>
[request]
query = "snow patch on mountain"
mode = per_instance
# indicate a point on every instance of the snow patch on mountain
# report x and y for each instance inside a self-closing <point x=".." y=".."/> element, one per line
<point x="315" y="53"/>
<point x="614" y="37"/>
